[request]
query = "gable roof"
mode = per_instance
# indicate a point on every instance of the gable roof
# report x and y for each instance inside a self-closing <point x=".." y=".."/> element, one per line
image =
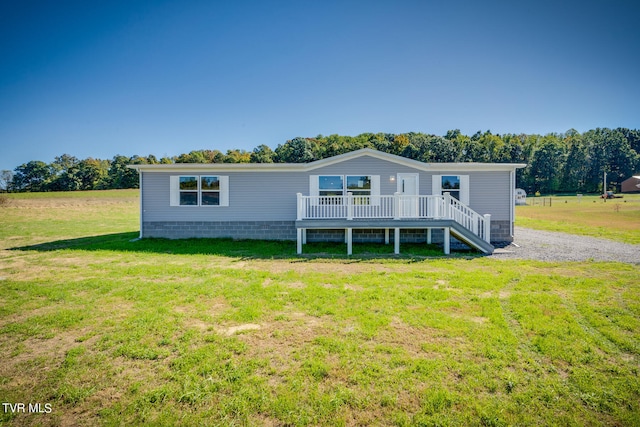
<point x="303" y="167"/>
<point x="365" y="152"/>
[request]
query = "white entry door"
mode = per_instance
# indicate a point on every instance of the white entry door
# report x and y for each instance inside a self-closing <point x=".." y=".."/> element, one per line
<point x="408" y="188"/>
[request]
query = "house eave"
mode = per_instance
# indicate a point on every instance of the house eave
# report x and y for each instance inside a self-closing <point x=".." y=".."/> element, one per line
<point x="219" y="167"/>
<point x="303" y="167"/>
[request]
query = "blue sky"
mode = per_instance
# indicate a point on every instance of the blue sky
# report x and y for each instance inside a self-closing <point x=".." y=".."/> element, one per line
<point x="100" y="78"/>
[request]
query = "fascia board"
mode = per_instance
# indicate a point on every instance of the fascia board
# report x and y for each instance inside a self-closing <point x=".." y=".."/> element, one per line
<point x="302" y="167"/>
<point x="220" y="167"/>
<point x="365" y="152"/>
<point x="474" y="167"/>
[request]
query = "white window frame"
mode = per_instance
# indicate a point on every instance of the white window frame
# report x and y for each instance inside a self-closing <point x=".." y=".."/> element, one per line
<point x="436" y="186"/>
<point x="196" y="190"/>
<point x="202" y="190"/>
<point x="359" y="199"/>
<point x="174" y="190"/>
<point x="374" y="191"/>
<point x="320" y="190"/>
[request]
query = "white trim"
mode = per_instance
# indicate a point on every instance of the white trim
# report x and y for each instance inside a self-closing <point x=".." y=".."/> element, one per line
<point x="465" y="191"/>
<point x="512" y="208"/>
<point x="447" y="241"/>
<point x="314" y="185"/>
<point x="436" y="185"/>
<point x="345" y="179"/>
<point x="375" y="190"/>
<point x="141" y="202"/>
<point x="224" y="190"/>
<point x="396" y="241"/>
<point x="314" y="189"/>
<point x="174" y="190"/>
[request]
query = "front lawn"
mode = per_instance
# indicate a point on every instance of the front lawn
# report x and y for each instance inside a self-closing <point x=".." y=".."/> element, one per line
<point x="113" y="331"/>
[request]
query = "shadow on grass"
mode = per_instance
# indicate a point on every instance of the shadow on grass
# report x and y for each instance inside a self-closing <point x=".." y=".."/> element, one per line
<point x="246" y="249"/>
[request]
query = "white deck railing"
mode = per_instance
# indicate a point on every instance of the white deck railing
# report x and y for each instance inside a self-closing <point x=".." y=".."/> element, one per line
<point x="397" y="206"/>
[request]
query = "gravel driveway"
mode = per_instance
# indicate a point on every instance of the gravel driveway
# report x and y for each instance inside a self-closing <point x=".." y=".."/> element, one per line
<point x="554" y="246"/>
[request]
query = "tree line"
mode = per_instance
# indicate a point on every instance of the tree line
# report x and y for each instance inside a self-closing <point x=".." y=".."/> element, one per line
<point x="556" y="163"/>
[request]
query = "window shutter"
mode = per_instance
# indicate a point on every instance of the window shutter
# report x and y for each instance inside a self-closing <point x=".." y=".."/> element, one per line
<point x="436" y="185"/>
<point x="174" y="191"/>
<point x="224" y="190"/>
<point x="314" y="188"/>
<point x="375" y="190"/>
<point x="464" y="189"/>
<point x="314" y="185"/>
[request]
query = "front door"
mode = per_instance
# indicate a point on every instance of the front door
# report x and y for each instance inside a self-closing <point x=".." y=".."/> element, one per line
<point x="408" y="188"/>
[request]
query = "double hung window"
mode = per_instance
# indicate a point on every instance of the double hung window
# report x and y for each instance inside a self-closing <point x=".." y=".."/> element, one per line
<point x="199" y="190"/>
<point x="456" y="185"/>
<point x="188" y="191"/>
<point x="209" y="191"/>
<point x="331" y="185"/>
<point x="451" y="185"/>
<point x="362" y="187"/>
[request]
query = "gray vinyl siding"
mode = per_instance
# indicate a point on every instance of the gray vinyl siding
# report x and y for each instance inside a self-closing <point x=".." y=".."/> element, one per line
<point x="264" y="196"/>
<point x="489" y="192"/>
<point x="367" y="165"/>
<point x="271" y="196"/>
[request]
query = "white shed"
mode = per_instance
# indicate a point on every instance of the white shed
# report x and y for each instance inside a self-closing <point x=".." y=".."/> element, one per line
<point x="521" y="196"/>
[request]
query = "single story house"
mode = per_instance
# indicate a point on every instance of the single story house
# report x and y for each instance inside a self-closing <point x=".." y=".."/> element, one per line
<point x="631" y="185"/>
<point x="357" y="196"/>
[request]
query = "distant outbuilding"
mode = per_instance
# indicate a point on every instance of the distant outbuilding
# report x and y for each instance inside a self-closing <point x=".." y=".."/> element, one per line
<point x="521" y="197"/>
<point x="631" y="185"/>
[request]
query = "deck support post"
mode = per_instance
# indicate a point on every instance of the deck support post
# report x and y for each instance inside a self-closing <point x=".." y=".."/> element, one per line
<point x="304" y="236"/>
<point x="447" y="241"/>
<point x="396" y="241"/>
<point x="487" y="227"/>
<point x="428" y="236"/>
<point x="349" y="241"/>
<point x="299" y="241"/>
<point x="386" y="236"/>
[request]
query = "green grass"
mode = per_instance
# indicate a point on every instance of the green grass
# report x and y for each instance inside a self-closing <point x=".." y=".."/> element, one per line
<point x="617" y="219"/>
<point x="111" y="330"/>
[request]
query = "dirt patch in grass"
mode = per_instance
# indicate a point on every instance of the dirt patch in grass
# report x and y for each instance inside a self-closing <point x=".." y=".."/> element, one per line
<point x="407" y="337"/>
<point x="338" y="266"/>
<point x="504" y="294"/>
<point x="279" y="338"/>
<point x="232" y="330"/>
<point x="194" y="317"/>
<point x="49" y="353"/>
